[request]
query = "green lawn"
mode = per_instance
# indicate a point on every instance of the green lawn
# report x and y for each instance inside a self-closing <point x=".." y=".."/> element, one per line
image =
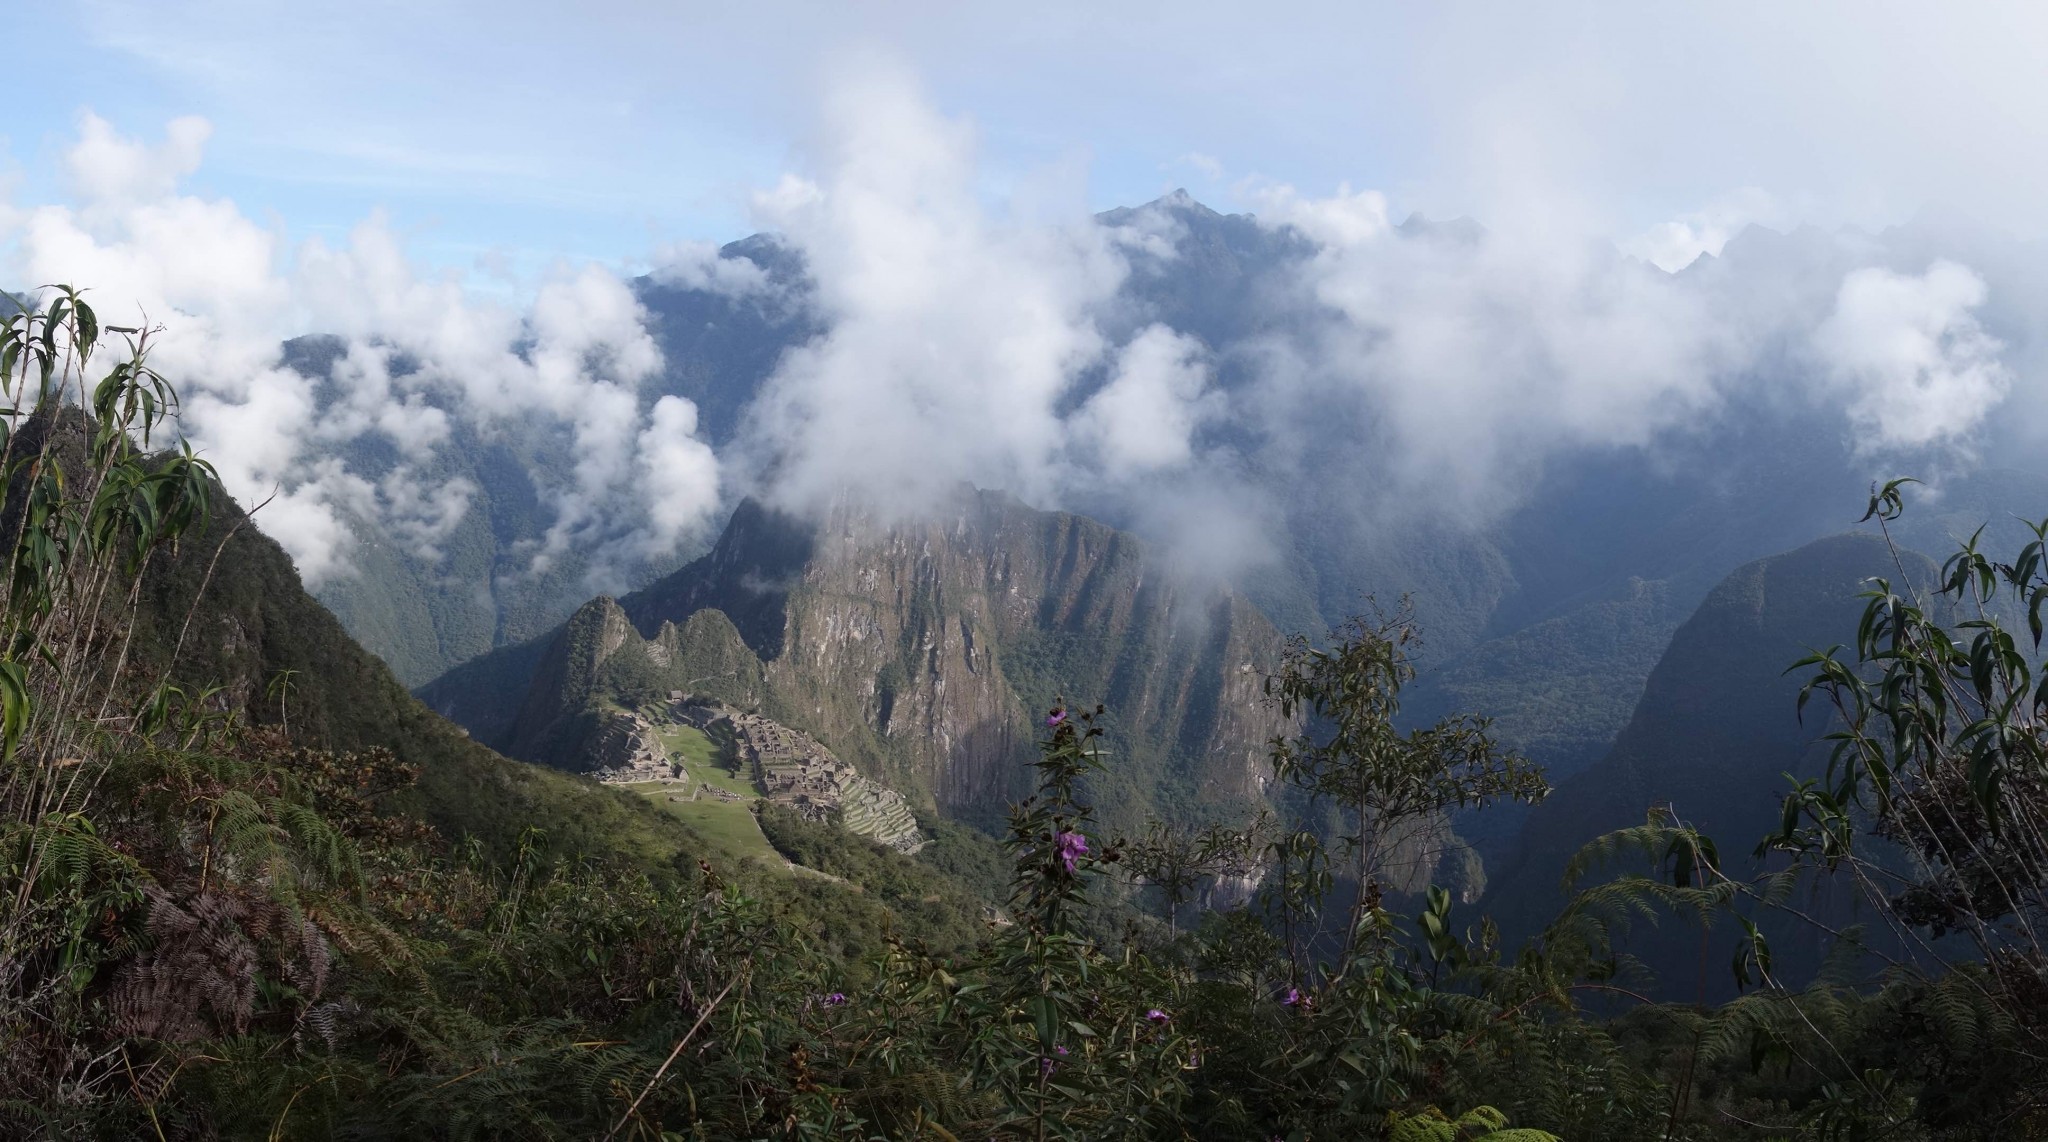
<point x="728" y="824"/>
<point x="704" y="758"/>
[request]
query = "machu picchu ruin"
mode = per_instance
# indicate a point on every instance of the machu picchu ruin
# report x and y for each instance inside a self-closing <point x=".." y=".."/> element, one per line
<point x="629" y="750"/>
<point x="785" y="765"/>
<point x="794" y="769"/>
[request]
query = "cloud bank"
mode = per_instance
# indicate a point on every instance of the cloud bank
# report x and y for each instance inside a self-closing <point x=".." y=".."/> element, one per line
<point x="1435" y="367"/>
<point x="954" y="332"/>
<point x="419" y="356"/>
<point x="1009" y="339"/>
<point x="1909" y="356"/>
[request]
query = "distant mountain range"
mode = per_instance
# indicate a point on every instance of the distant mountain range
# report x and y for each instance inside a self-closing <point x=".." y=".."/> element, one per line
<point x="1550" y="614"/>
<point x="423" y="614"/>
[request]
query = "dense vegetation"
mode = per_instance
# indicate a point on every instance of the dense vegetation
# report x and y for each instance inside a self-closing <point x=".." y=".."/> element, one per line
<point x="217" y="926"/>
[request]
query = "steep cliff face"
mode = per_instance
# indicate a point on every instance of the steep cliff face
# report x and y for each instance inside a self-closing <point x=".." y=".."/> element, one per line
<point x="923" y="651"/>
<point x="940" y="640"/>
<point x="555" y="717"/>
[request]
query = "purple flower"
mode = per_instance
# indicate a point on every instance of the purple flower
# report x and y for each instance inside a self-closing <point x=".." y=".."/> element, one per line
<point x="836" y="999"/>
<point x="1061" y="1050"/>
<point x="1072" y="846"/>
<point x="1157" y="1016"/>
<point x="1056" y="717"/>
<point x="1292" y="997"/>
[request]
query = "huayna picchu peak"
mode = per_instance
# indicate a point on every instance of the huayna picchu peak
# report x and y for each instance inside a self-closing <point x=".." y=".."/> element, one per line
<point x="916" y="655"/>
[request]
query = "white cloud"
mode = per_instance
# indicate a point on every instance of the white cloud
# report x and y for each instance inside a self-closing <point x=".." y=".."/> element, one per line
<point x="1677" y="243"/>
<point x="109" y="171"/>
<point x="602" y="432"/>
<point x="1437" y="368"/>
<point x="1344" y="220"/>
<point x="303" y="520"/>
<point x="414" y="514"/>
<point x="1475" y="357"/>
<point x="1442" y="367"/>
<point x="1152" y="232"/>
<point x="678" y="475"/>
<point x="373" y="401"/>
<point x="419" y="353"/>
<point x="1910" y="358"/>
<point x="1144" y="419"/>
<point x="962" y="335"/>
<point x="696" y="265"/>
<point x="954" y="332"/>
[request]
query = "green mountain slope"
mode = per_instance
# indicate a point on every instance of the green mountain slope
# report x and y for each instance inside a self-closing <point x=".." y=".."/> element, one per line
<point x="1715" y="728"/>
<point x="1561" y="689"/>
<point x="230" y="612"/>
<point x="254" y="623"/>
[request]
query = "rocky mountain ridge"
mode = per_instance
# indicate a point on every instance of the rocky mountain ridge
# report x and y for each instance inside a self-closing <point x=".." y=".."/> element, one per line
<point x="920" y="651"/>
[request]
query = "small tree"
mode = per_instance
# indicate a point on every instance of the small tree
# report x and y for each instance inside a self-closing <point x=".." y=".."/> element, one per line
<point x="1079" y="1043"/>
<point x="1388" y="784"/>
<point x="1179" y="861"/>
<point x="1943" y="746"/>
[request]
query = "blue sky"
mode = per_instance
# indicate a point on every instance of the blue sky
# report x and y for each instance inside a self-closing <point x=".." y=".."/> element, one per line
<point x="593" y="131"/>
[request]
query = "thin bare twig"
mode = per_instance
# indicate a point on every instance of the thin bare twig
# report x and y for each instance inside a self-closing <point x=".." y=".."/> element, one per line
<point x="680" y="1044"/>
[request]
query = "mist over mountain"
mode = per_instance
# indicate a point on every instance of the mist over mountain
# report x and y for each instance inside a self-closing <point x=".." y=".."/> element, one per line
<point x="1311" y="400"/>
<point x="1302" y="485"/>
<point x="1544" y="606"/>
<point x="1551" y="448"/>
<point x="482" y="582"/>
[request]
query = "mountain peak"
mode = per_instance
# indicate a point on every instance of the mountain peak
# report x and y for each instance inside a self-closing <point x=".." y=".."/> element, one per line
<point x="1176" y="204"/>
